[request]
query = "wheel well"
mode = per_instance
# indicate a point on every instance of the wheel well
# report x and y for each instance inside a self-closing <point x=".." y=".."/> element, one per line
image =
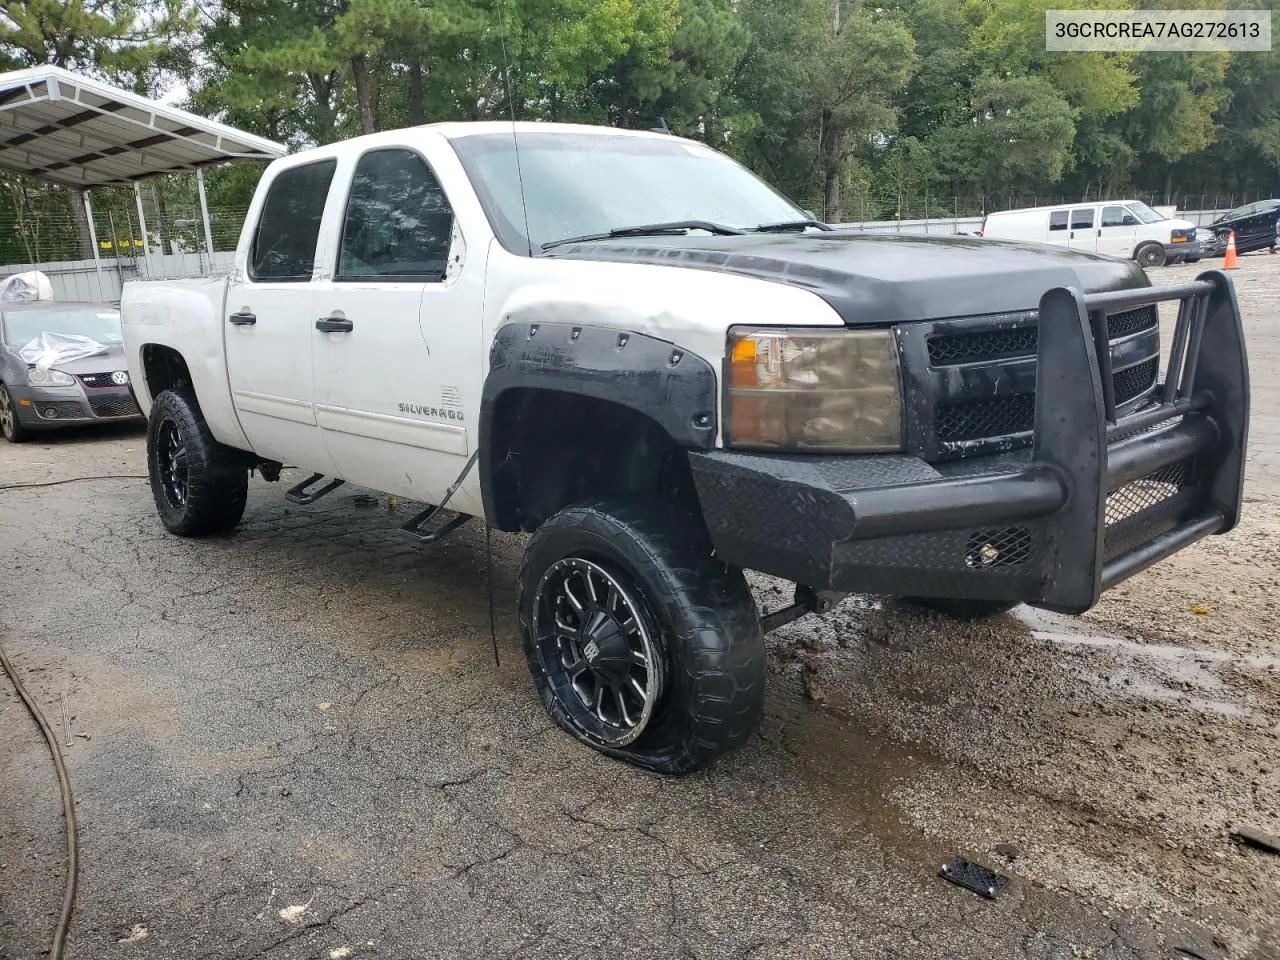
<point x="163" y="368"/>
<point x="550" y="449"/>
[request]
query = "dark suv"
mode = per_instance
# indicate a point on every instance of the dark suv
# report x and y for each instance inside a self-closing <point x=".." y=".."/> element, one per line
<point x="1254" y="225"/>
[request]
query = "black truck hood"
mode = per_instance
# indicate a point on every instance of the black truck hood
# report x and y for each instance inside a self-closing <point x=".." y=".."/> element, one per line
<point x="883" y="278"/>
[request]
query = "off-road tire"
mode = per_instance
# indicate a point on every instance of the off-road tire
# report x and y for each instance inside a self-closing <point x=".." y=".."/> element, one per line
<point x="1150" y="255"/>
<point x="10" y="426"/>
<point x="704" y="615"/>
<point x="217" y="481"/>
<point x="963" y="609"/>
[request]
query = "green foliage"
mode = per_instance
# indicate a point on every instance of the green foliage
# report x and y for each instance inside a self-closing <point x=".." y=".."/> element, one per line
<point x="853" y="108"/>
<point x="114" y="37"/>
<point x="1018" y="135"/>
<point x="824" y="91"/>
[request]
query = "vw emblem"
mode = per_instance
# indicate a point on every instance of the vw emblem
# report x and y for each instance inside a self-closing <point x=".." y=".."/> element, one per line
<point x="120" y="378"/>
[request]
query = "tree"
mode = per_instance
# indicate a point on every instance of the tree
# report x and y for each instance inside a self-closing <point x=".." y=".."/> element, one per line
<point x="687" y="86"/>
<point x="1017" y="136"/>
<point x="399" y="32"/>
<point x="274" y="68"/>
<point x="824" y="78"/>
<point x="115" y="38"/>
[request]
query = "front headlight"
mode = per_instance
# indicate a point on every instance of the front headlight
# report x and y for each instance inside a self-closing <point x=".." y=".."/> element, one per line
<point x="822" y="390"/>
<point x="49" y="378"/>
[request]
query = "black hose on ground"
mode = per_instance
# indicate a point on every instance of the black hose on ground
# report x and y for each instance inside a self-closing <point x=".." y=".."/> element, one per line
<point x="57" y="483"/>
<point x="68" y="808"/>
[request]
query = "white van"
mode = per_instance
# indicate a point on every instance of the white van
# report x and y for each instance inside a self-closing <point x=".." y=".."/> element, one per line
<point x="1120" y="228"/>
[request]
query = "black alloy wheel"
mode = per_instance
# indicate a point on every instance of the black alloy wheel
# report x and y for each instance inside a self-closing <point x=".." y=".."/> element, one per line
<point x="599" y="650"/>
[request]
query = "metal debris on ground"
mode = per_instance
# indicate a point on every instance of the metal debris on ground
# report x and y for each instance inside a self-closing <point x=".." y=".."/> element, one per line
<point x="1257" y="839"/>
<point x="974" y="876"/>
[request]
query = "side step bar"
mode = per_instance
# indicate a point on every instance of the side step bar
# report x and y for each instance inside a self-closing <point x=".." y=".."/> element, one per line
<point x="416" y="527"/>
<point x="298" y="493"/>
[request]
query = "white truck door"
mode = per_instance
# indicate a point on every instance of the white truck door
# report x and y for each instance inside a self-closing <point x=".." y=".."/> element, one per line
<point x="1082" y="235"/>
<point x="1058" y="223"/>
<point x="1117" y="231"/>
<point x="269" y="324"/>
<point x="398" y="346"/>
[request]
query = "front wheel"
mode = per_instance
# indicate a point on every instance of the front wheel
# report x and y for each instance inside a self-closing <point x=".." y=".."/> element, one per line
<point x="10" y="426"/>
<point x="1150" y="255"/>
<point x="200" y="486"/>
<point x="641" y="643"/>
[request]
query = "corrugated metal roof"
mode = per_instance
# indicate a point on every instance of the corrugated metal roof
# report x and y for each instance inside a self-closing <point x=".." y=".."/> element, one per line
<point x="84" y="133"/>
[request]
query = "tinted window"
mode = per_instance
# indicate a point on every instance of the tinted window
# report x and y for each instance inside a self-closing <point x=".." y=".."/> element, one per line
<point x="1058" y="220"/>
<point x="1082" y="219"/>
<point x="284" y="245"/>
<point x="1117" y="217"/>
<point x="398" y="223"/>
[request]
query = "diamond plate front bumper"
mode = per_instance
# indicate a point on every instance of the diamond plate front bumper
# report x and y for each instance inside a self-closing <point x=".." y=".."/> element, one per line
<point x="1099" y="497"/>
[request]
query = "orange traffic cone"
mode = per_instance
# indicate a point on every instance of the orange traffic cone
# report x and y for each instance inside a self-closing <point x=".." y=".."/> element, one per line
<point x="1229" y="261"/>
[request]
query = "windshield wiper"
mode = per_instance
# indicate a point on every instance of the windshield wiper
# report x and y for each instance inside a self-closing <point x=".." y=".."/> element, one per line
<point x="652" y="229"/>
<point x="793" y="225"/>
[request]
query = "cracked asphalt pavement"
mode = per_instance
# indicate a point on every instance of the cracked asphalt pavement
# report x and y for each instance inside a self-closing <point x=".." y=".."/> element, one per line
<point x="293" y="742"/>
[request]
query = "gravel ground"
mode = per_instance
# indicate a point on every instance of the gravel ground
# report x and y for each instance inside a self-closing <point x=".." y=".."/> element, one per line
<point x="293" y="743"/>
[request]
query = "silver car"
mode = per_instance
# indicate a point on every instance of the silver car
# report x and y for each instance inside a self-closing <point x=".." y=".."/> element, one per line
<point x="67" y="393"/>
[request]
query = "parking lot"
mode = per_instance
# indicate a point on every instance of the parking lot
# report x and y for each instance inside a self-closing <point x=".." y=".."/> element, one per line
<point x="293" y="742"/>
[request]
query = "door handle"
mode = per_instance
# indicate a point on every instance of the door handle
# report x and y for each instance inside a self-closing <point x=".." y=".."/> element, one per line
<point x="243" y="319"/>
<point x="334" y="325"/>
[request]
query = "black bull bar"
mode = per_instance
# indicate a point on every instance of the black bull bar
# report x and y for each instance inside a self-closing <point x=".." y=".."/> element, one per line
<point x="1083" y="498"/>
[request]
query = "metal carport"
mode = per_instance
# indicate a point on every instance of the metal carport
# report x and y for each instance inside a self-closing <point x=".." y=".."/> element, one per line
<point x="79" y="132"/>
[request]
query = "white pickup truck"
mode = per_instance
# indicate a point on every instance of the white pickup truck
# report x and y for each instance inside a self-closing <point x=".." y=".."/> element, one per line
<point x="636" y="350"/>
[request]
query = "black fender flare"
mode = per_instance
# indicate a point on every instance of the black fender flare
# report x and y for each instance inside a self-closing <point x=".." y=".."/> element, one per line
<point x="673" y="386"/>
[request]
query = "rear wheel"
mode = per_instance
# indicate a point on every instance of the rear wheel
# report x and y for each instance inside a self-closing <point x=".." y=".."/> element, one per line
<point x="10" y="425"/>
<point x="199" y="485"/>
<point x="1150" y="255"/>
<point x="641" y="644"/>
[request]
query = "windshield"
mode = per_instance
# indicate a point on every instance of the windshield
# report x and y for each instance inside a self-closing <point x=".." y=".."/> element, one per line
<point x="1145" y="213"/>
<point x="99" y="323"/>
<point x="576" y="184"/>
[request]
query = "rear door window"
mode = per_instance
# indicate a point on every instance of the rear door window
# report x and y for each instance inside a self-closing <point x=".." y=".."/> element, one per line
<point x="284" y="243"/>
<point x="1082" y="218"/>
<point x="1058" y="220"/>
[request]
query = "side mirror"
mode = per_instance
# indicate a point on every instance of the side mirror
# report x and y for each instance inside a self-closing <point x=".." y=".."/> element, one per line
<point x="1130" y="220"/>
